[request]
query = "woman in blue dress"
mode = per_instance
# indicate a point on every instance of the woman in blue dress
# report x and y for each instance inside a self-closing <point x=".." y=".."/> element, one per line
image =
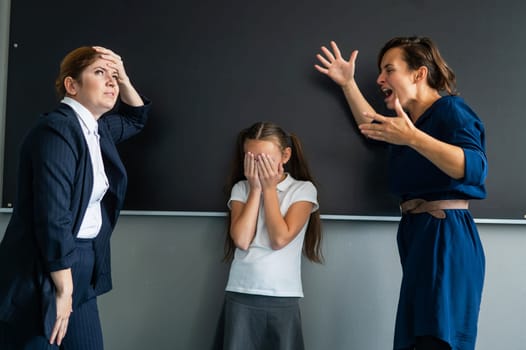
<point x="437" y="164"/>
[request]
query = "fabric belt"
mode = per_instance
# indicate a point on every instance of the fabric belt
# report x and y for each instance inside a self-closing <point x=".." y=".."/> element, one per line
<point x="434" y="208"/>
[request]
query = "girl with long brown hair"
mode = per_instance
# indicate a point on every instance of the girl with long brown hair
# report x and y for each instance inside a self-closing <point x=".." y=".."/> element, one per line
<point x="273" y="218"/>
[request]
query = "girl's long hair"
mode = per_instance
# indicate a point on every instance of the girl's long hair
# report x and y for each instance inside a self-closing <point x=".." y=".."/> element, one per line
<point x="297" y="167"/>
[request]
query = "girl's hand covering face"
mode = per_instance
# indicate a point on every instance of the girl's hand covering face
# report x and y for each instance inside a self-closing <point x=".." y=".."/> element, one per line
<point x="270" y="173"/>
<point x="262" y="171"/>
<point x="251" y="171"/>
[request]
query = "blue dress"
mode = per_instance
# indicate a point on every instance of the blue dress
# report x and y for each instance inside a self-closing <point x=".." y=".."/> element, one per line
<point x="442" y="259"/>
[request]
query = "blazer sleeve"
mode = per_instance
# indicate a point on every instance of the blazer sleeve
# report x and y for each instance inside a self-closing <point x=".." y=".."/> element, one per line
<point x="54" y="158"/>
<point x="125" y="121"/>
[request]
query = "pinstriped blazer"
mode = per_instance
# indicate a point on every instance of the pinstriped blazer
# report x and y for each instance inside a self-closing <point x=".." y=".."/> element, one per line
<point x="54" y="184"/>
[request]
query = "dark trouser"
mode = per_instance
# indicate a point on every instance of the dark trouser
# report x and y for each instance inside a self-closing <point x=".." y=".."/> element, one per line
<point x="84" y="333"/>
<point x="255" y="322"/>
<point x="84" y="329"/>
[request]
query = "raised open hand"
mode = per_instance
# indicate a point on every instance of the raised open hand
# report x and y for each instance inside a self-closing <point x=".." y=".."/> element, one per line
<point x="335" y="66"/>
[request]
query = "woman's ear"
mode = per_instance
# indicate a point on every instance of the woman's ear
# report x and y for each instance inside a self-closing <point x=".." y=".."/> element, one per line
<point x="70" y="85"/>
<point x="421" y="73"/>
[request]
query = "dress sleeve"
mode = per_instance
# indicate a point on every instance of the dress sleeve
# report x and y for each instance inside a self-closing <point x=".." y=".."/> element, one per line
<point x="470" y="136"/>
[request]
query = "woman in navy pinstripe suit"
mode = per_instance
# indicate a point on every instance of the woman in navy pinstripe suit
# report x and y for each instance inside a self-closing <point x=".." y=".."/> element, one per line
<point x="55" y="255"/>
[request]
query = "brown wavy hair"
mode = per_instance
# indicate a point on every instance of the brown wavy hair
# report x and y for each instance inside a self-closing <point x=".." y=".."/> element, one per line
<point x="422" y="51"/>
<point x="297" y="167"/>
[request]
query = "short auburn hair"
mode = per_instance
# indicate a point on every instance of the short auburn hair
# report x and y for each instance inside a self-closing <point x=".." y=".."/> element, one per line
<point x="72" y="65"/>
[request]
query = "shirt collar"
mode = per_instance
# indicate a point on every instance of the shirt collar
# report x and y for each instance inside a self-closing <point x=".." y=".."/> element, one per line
<point x="283" y="185"/>
<point x="86" y="118"/>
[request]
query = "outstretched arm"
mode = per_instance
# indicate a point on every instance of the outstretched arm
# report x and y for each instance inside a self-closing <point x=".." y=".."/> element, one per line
<point x="342" y="73"/>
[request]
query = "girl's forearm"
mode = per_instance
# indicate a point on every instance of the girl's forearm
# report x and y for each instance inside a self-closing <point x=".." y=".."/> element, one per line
<point x="243" y="226"/>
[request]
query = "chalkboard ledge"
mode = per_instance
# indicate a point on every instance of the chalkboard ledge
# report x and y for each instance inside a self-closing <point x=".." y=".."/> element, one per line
<point x="323" y="217"/>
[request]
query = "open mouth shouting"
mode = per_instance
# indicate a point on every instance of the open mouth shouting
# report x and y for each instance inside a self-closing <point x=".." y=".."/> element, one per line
<point x="388" y="93"/>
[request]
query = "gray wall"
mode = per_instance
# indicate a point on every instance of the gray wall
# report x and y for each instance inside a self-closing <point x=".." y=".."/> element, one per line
<point x="168" y="281"/>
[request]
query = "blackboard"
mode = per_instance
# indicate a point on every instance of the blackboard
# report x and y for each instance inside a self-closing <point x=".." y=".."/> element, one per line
<point x="214" y="67"/>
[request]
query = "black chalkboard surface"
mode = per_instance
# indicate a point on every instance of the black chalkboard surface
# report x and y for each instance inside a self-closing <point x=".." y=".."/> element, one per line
<point x="214" y="67"/>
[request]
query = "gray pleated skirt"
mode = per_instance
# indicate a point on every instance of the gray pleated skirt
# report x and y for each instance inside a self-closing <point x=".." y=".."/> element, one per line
<point x="257" y="322"/>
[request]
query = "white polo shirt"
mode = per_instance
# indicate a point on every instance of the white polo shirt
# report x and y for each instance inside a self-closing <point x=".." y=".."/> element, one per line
<point x="260" y="269"/>
<point x="92" y="221"/>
